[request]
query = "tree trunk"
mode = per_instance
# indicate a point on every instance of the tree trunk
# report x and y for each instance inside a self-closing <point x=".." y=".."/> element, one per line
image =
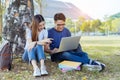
<point x="40" y="5"/>
<point x="18" y="14"/>
<point x="0" y="18"/>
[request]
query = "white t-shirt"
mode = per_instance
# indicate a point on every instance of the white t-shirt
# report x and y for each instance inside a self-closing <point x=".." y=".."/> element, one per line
<point x="42" y="35"/>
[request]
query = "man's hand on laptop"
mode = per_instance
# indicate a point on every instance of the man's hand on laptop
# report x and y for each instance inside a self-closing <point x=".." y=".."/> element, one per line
<point x="54" y="50"/>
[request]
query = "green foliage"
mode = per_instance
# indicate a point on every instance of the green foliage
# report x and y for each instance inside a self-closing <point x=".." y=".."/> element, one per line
<point x="70" y="25"/>
<point x="117" y="15"/>
<point x="110" y="25"/>
<point x="95" y="25"/>
<point x="102" y="27"/>
<point x="85" y="27"/>
<point x="74" y="26"/>
<point x="81" y="19"/>
<point x="79" y="22"/>
<point x="90" y="26"/>
<point x="115" y="25"/>
<point x="72" y="30"/>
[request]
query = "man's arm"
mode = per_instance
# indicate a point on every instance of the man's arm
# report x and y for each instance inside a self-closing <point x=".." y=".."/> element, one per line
<point x="47" y="49"/>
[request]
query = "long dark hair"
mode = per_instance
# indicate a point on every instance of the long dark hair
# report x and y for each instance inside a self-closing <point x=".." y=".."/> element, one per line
<point x="35" y="23"/>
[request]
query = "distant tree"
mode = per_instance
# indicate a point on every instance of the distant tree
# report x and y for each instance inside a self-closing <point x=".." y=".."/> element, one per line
<point x="42" y="4"/>
<point x="69" y="23"/>
<point x="72" y="29"/>
<point x="81" y="19"/>
<point x="108" y="23"/>
<point x="107" y="26"/>
<point x="85" y="27"/>
<point x="115" y="26"/>
<point x="95" y="25"/>
<point x="102" y="27"/>
<point x="78" y="23"/>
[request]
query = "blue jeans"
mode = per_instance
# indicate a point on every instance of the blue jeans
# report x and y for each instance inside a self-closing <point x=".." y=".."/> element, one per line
<point x="74" y="55"/>
<point x="36" y="53"/>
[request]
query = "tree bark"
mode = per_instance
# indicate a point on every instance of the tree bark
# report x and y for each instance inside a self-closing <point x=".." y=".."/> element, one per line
<point x="19" y="13"/>
<point x="0" y="18"/>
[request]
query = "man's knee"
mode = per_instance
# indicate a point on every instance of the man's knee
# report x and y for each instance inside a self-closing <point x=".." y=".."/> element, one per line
<point x="79" y="48"/>
<point x="66" y="54"/>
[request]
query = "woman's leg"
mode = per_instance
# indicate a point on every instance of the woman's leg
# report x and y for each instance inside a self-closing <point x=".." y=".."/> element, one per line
<point x="25" y="56"/>
<point x="40" y="53"/>
<point x="41" y="58"/>
<point x="34" y="64"/>
<point x="33" y="60"/>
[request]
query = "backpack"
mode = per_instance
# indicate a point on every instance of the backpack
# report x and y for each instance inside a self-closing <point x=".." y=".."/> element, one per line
<point x="5" y="56"/>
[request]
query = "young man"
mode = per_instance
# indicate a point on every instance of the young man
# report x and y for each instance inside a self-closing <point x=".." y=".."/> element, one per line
<point x="57" y="33"/>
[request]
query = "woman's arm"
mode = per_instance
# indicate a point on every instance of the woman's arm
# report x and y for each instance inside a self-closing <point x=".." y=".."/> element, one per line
<point x="44" y="41"/>
<point x="31" y="44"/>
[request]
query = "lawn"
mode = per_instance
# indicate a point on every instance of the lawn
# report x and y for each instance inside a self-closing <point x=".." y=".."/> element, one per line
<point x="104" y="49"/>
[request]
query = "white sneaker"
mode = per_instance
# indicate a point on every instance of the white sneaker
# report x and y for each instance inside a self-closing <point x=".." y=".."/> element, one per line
<point x="97" y="63"/>
<point x="43" y="71"/>
<point x="36" y="72"/>
<point x="92" y="67"/>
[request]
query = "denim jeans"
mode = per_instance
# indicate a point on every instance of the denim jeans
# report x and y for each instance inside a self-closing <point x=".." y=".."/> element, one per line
<point x="74" y="55"/>
<point x="35" y="53"/>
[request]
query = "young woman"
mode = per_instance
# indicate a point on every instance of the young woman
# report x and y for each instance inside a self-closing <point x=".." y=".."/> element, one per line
<point x="36" y="38"/>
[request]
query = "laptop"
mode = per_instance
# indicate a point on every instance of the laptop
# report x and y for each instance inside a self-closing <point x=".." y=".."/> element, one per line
<point x="69" y="43"/>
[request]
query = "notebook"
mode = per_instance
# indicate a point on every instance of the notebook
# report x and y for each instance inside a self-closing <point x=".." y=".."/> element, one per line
<point x="69" y="64"/>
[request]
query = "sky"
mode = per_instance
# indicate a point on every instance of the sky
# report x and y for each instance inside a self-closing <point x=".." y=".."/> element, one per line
<point x="97" y="9"/>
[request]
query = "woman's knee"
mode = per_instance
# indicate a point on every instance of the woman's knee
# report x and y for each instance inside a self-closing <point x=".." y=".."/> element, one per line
<point x="39" y="46"/>
<point x="25" y="56"/>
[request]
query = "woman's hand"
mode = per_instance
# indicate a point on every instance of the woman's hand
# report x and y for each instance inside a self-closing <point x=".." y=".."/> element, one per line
<point x="45" y="41"/>
<point x="48" y="40"/>
<point x="31" y="45"/>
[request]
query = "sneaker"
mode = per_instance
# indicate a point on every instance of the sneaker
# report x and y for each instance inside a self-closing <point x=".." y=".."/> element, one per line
<point x="96" y="63"/>
<point x="36" y="72"/>
<point x="92" y="67"/>
<point x="44" y="71"/>
<point x="102" y="66"/>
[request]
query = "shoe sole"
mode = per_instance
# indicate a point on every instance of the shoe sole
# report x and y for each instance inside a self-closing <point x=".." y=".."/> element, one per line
<point x="44" y="74"/>
<point x="103" y="68"/>
<point x="37" y="76"/>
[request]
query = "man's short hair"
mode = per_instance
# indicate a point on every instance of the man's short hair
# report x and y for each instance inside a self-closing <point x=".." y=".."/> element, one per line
<point x="59" y="16"/>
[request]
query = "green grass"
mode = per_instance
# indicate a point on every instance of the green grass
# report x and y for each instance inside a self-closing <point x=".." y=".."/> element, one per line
<point x="99" y="48"/>
<point x="101" y="41"/>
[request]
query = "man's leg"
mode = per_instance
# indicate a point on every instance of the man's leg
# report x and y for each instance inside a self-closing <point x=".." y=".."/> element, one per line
<point x="70" y="56"/>
<point x="79" y="48"/>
